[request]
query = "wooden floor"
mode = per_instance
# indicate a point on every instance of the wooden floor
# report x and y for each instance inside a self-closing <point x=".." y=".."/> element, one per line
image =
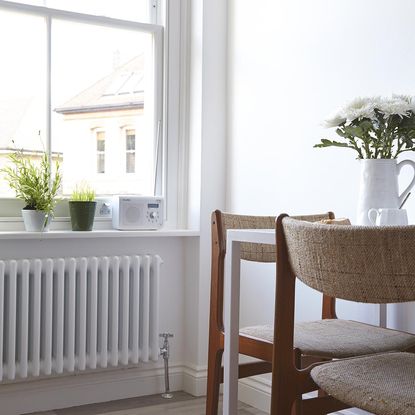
<point x="181" y="404"/>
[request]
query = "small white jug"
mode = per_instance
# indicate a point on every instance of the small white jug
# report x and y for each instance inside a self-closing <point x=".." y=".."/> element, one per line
<point x="388" y="217"/>
<point x="379" y="186"/>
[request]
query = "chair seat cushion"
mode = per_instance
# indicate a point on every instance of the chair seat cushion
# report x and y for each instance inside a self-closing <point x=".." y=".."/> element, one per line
<point x="339" y="338"/>
<point x="383" y="384"/>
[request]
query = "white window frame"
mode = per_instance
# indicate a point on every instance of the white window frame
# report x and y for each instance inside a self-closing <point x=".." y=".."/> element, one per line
<point x="126" y="150"/>
<point x="96" y="132"/>
<point x="161" y="90"/>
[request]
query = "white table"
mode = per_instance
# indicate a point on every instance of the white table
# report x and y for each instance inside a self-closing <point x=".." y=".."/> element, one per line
<point x="231" y="308"/>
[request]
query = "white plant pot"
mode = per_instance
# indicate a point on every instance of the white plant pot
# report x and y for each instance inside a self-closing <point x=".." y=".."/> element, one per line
<point x="379" y="186"/>
<point x="35" y="220"/>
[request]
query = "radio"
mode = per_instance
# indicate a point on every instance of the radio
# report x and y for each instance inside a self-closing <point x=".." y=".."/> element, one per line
<point x="137" y="212"/>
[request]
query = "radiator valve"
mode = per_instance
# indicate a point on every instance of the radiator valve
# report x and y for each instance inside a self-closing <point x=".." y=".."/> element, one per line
<point x="165" y="353"/>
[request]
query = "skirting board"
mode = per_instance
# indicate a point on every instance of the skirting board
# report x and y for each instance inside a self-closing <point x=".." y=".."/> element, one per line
<point x="81" y="389"/>
<point x="108" y="385"/>
<point x="255" y="392"/>
<point x="195" y="380"/>
<point x="252" y="391"/>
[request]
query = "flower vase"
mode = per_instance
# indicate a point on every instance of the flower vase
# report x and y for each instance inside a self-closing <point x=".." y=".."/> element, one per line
<point x="379" y="186"/>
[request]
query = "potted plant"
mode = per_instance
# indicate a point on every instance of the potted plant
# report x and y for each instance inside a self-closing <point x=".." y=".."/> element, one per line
<point x="37" y="186"/>
<point x="378" y="130"/>
<point x="82" y="208"/>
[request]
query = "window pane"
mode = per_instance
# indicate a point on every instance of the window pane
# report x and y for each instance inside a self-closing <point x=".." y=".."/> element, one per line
<point x="134" y="10"/>
<point x="101" y="163"/>
<point x="100" y="141"/>
<point x="130" y="167"/>
<point x="130" y="144"/>
<point x="22" y="88"/>
<point x="102" y="78"/>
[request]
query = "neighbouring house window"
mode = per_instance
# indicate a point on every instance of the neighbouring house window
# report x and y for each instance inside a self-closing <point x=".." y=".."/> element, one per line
<point x="100" y="152"/>
<point x="130" y="151"/>
<point x="77" y="65"/>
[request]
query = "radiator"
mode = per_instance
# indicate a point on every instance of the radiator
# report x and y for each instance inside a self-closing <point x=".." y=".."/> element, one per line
<point x="61" y="315"/>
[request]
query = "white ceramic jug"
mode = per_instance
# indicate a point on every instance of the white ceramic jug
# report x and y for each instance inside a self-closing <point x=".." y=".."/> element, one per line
<point x="388" y="217"/>
<point x="379" y="186"/>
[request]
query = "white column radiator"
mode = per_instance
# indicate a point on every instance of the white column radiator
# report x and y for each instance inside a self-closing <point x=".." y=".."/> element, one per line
<point x="62" y="315"/>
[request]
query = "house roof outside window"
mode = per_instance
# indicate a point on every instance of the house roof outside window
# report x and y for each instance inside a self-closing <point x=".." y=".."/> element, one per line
<point x="122" y="89"/>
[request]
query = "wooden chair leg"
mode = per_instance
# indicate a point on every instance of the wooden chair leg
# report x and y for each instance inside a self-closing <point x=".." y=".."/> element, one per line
<point x="213" y="381"/>
<point x="283" y="406"/>
<point x="284" y="399"/>
<point x="296" y="408"/>
<point x="321" y="393"/>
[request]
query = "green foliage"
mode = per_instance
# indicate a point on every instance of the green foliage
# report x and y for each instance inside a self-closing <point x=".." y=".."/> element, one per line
<point x="83" y="193"/>
<point x="34" y="183"/>
<point x="375" y="128"/>
<point x="329" y="143"/>
<point x="376" y="138"/>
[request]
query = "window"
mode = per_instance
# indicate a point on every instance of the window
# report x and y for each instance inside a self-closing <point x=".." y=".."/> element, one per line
<point x="130" y="151"/>
<point x="69" y="71"/>
<point x="100" y="152"/>
<point x="136" y="10"/>
<point x="46" y="68"/>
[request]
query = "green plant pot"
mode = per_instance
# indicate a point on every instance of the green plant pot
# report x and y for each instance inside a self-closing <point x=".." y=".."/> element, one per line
<point x="82" y="215"/>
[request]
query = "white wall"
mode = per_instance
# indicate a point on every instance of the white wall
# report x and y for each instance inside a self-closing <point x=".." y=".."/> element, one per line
<point x="290" y="64"/>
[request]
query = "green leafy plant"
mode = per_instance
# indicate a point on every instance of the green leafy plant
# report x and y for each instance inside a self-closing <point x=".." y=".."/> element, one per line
<point x="374" y="127"/>
<point x="34" y="183"/>
<point x="83" y="193"/>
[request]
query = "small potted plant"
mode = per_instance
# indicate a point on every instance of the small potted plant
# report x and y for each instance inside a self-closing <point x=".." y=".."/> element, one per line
<point x="37" y="186"/>
<point x="82" y="208"/>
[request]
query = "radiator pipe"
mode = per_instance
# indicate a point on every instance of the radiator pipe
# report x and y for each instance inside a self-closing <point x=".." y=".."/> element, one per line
<point x="165" y="353"/>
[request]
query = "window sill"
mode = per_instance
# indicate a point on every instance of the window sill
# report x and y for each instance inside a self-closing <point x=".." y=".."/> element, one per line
<point x="64" y="234"/>
<point x="60" y="228"/>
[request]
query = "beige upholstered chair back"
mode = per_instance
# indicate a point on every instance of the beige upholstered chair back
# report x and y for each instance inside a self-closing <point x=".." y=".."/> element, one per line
<point x="259" y="252"/>
<point x="365" y="264"/>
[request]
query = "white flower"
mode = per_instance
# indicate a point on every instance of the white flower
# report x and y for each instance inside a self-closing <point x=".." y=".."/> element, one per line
<point x="374" y="117"/>
<point x="334" y="120"/>
<point x="402" y="97"/>
<point x="408" y="98"/>
<point x="361" y="108"/>
<point x="397" y="105"/>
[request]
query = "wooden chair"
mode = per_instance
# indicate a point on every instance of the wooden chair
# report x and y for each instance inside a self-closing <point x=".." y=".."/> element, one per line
<point x="364" y="264"/>
<point x="253" y="341"/>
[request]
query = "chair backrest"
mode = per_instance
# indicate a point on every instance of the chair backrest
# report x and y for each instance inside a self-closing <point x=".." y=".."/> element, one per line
<point x="357" y="263"/>
<point x="221" y="222"/>
<point x="251" y="251"/>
